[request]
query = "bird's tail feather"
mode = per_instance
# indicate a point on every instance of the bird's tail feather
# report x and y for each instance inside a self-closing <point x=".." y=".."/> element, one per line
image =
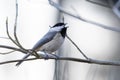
<point x="26" y="56"/>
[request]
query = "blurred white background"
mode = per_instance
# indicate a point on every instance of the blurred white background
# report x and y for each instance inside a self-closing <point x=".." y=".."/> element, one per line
<point x="34" y="18"/>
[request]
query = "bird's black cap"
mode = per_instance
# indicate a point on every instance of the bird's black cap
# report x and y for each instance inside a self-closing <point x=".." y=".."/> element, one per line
<point x="59" y="24"/>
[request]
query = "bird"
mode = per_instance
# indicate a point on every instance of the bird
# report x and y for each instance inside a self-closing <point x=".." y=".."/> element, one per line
<point x="50" y="42"/>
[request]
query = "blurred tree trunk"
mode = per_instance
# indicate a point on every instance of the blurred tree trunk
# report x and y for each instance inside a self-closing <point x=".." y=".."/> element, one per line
<point x="96" y="43"/>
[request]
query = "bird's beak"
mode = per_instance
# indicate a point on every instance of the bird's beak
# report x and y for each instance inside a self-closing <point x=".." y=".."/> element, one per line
<point x="65" y="25"/>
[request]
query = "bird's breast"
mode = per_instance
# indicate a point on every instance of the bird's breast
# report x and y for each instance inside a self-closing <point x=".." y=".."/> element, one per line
<point x="54" y="44"/>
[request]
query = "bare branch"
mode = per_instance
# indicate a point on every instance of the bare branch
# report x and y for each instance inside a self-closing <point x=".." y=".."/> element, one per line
<point x="9" y="34"/>
<point x="15" y="27"/>
<point x="116" y="29"/>
<point x="77" y="47"/>
<point x="90" y="61"/>
<point x="4" y="37"/>
<point x="12" y="61"/>
<point x="43" y="56"/>
<point x="13" y="48"/>
<point x="7" y="52"/>
<point x="16" y="41"/>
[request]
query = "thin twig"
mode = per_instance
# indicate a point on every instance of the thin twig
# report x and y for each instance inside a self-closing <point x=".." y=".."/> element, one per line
<point x="12" y="61"/>
<point x="77" y="47"/>
<point x="15" y="27"/>
<point x="4" y="37"/>
<point x="16" y="42"/>
<point x="7" y="52"/>
<point x="13" y="48"/>
<point x="8" y="33"/>
<point x="116" y="29"/>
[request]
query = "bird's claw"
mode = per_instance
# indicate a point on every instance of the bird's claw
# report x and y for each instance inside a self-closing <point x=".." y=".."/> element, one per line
<point x="47" y="56"/>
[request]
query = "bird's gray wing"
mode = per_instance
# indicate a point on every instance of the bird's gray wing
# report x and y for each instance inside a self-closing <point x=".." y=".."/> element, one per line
<point x="46" y="38"/>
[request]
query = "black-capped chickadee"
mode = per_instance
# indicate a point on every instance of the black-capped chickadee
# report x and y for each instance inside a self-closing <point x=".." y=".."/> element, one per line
<point x="50" y="42"/>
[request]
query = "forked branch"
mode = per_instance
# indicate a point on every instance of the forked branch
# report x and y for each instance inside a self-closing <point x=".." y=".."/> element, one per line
<point x="20" y="48"/>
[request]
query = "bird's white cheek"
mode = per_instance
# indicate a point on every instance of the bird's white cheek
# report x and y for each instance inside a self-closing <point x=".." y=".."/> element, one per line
<point x="56" y="29"/>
